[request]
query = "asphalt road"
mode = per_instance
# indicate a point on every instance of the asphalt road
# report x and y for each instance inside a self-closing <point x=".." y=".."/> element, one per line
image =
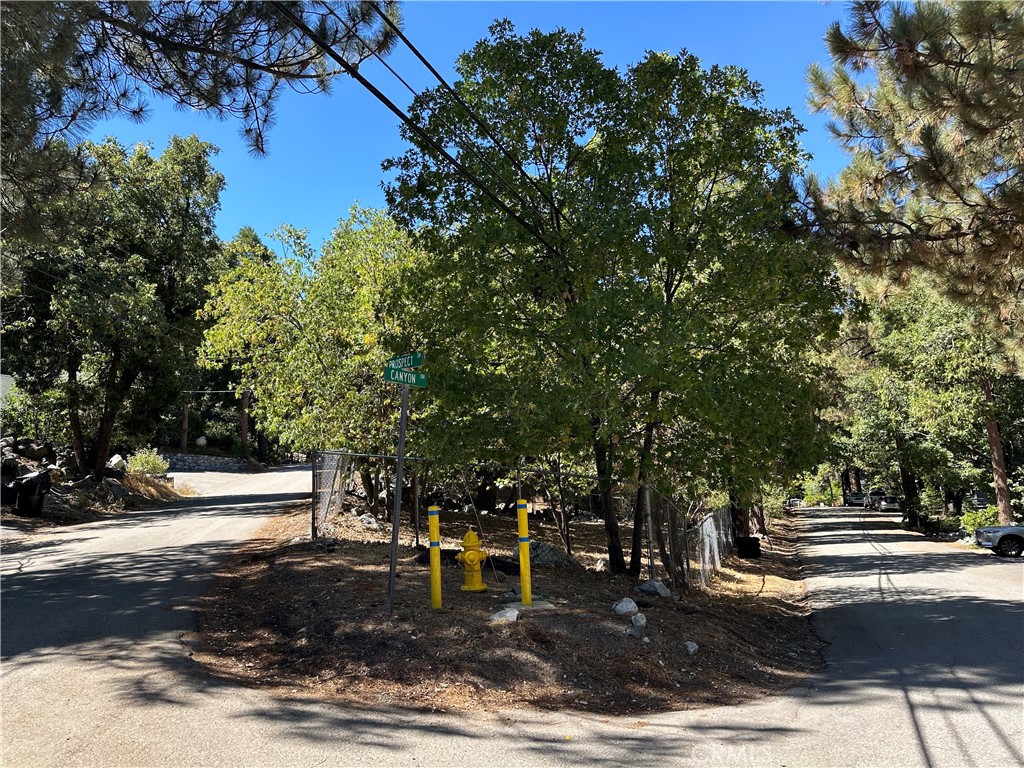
<point x="925" y="665"/>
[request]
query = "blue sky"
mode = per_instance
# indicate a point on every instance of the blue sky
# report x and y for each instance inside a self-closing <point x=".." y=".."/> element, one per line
<point x="325" y="150"/>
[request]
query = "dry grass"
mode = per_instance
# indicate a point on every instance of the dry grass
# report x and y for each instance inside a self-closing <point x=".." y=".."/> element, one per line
<point x="310" y="616"/>
<point x="155" y="490"/>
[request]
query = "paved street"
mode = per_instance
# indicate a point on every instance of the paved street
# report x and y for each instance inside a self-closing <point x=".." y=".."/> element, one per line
<point x="925" y="665"/>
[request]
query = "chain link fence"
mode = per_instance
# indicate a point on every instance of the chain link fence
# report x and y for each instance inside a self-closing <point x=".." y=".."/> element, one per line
<point x="345" y="481"/>
<point x="683" y="542"/>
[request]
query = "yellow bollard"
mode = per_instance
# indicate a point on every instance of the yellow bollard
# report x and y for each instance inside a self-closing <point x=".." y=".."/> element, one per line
<point x="434" y="526"/>
<point x="524" y="553"/>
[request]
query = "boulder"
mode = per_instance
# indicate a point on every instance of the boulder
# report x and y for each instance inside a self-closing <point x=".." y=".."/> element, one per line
<point x="505" y="616"/>
<point x="625" y="607"/>
<point x="635" y="632"/>
<point x="691" y="647"/>
<point x="36" y="451"/>
<point x="115" y="487"/>
<point x="639" y="621"/>
<point x="117" y="462"/>
<point x="371" y="523"/>
<point x="544" y="555"/>
<point x="654" y="587"/>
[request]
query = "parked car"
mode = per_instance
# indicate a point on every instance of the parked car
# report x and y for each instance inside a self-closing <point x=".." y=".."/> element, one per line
<point x="1005" y="540"/>
<point x="873" y="498"/>
<point x="855" y="499"/>
<point x="793" y="503"/>
<point x="889" y="504"/>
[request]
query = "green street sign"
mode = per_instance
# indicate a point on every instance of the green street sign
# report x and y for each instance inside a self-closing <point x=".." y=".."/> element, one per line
<point x="412" y="360"/>
<point x="401" y="376"/>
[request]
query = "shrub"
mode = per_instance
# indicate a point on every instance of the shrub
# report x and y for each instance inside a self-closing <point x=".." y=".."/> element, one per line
<point x="146" y="461"/>
<point x="974" y="519"/>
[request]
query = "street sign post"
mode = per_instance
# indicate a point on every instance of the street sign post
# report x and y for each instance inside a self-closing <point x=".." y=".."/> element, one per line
<point x="397" y="370"/>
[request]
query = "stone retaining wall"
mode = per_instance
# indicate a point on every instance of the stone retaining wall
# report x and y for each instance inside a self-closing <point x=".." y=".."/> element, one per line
<point x="193" y="462"/>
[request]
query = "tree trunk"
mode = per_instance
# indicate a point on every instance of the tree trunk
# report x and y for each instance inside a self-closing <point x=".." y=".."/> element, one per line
<point x="995" y="447"/>
<point x="115" y="393"/>
<point x="563" y="522"/>
<point x="740" y="522"/>
<point x="846" y="482"/>
<point x="604" y="454"/>
<point x="75" y="416"/>
<point x="909" y="485"/>
<point x="102" y="443"/>
<point x="486" y="491"/>
<point x="757" y="511"/>
<point x="636" y="545"/>
<point x="666" y="547"/>
<point x="369" y="488"/>
<point x="243" y="425"/>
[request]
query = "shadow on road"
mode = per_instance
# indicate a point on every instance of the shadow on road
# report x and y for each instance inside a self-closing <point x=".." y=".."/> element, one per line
<point x="108" y="597"/>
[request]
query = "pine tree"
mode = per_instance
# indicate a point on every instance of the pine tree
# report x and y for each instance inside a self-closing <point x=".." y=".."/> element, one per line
<point x="937" y="144"/>
<point x="67" y="65"/>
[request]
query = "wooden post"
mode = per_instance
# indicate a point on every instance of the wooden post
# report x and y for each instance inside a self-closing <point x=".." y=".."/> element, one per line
<point x="184" y="427"/>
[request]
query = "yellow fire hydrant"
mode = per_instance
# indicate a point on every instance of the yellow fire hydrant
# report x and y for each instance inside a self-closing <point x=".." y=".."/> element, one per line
<point x="472" y="559"/>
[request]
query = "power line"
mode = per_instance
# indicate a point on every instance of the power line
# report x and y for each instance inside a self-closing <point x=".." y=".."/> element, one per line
<point x="283" y="9"/>
<point x="476" y="118"/>
<point x="472" y="148"/>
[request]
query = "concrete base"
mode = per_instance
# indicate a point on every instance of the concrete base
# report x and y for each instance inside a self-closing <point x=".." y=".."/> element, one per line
<point x="538" y="605"/>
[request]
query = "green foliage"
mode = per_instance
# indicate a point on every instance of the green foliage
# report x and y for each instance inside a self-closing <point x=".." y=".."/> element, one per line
<point x="67" y="65"/>
<point x="42" y="415"/>
<point x="974" y="519"/>
<point x="914" y="402"/>
<point x="309" y="334"/>
<point x="146" y="461"/>
<point x="108" y="314"/>
<point x="926" y="98"/>
<point x="667" y="294"/>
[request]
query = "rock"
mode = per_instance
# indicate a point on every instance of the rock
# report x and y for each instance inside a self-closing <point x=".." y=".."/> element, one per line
<point x="602" y="565"/>
<point x="639" y="621"/>
<point x="654" y="587"/>
<point x="371" y="523"/>
<point x="505" y="616"/>
<point x="117" y="462"/>
<point x="8" y="442"/>
<point x="635" y="632"/>
<point x="201" y="441"/>
<point x="115" y="487"/>
<point x="691" y="647"/>
<point x="36" y="451"/>
<point x="625" y="607"/>
<point x="544" y="555"/>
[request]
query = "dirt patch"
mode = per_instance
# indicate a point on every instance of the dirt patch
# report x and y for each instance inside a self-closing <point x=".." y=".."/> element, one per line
<point x="310" y="618"/>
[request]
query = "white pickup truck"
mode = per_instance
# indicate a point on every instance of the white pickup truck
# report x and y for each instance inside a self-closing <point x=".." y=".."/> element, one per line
<point x="1005" y="540"/>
